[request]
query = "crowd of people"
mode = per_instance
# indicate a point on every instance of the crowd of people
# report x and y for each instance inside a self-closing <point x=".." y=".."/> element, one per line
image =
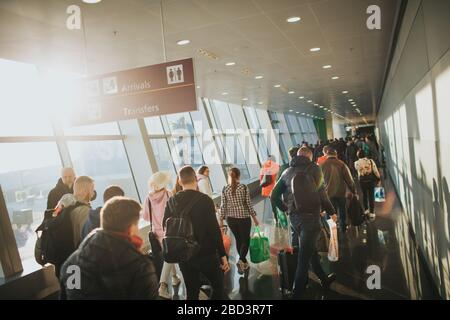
<point x="105" y="245"/>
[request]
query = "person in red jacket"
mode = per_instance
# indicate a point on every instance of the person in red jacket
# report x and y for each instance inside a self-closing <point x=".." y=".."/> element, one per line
<point x="323" y="158"/>
<point x="267" y="178"/>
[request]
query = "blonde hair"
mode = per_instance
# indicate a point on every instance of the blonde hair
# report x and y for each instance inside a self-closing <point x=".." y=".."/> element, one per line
<point x="81" y="187"/>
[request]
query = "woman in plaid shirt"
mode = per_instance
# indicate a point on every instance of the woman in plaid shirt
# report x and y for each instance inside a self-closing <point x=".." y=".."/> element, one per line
<point x="236" y="208"/>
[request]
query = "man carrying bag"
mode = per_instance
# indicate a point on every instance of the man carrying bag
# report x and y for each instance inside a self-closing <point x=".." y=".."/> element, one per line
<point x="193" y="237"/>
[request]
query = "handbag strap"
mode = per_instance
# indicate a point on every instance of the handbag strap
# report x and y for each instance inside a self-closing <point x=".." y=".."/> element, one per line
<point x="150" y="213"/>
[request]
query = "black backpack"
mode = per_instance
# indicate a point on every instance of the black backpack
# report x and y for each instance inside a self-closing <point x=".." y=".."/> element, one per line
<point x="304" y="190"/>
<point x="55" y="237"/>
<point x="179" y="244"/>
<point x="355" y="212"/>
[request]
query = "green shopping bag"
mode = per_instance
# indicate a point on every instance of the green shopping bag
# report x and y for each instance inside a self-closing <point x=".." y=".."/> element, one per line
<point x="259" y="247"/>
<point x="282" y="219"/>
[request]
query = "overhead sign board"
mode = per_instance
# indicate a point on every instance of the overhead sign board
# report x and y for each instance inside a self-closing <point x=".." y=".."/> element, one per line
<point x="137" y="93"/>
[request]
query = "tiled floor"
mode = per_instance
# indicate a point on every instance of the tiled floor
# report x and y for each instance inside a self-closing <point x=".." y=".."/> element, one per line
<point x="375" y="243"/>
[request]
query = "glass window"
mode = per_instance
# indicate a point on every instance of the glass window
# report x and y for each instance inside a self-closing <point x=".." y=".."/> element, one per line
<point x="222" y="115"/>
<point x="252" y="118"/>
<point x="102" y="129"/>
<point x="180" y="123"/>
<point x="154" y="125"/>
<point x="186" y="151"/>
<point x="28" y="171"/>
<point x="303" y="124"/>
<point x="22" y="114"/>
<point x="162" y="155"/>
<point x="292" y="123"/>
<point x="104" y="161"/>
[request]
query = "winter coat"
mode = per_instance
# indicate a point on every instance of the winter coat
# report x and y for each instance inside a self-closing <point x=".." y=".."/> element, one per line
<point x="269" y="168"/>
<point x="155" y="203"/>
<point x="56" y="193"/>
<point x="111" y="267"/>
<point x="337" y="178"/>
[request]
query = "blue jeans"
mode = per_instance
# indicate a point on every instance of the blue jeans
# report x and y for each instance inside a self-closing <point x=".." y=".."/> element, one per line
<point x="308" y="228"/>
<point x="339" y="205"/>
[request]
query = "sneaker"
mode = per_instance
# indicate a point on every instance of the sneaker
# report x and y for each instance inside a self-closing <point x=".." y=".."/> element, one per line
<point x="372" y="215"/>
<point x="164" y="291"/>
<point x="240" y="267"/>
<point x="176" y="280"/>
<point x="328" y="281"/>
<point x="203" y="295"/>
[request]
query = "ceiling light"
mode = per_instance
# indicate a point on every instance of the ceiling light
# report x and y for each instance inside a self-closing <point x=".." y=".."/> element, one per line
<point x="91" y="1"/>
<point x="198" y="87"/>
<point x="297" y="112"/>
<point x="309" y="101"/>
<point x="293" y="19"/>
<point x="302" y="97"/>
<point x="321" y="107"/>
<point x="316" y="104"/>
<point x="258" y="77"/>
<point x="260" y="102"/>
<point x="303" y="113"/>
<point x="183" y="42"/>
<point x="291" y="110"/>
<point x="230" y="63"/>
<point x="291" y="92"/>
<point x="325" y="108"/>
<point x="335" y="78"/>
<point x="314" y="49"/>
<point x="345" y="92"/>
<point x="244" y="99"/>
<point x="350" y="100"/>
<point x="277" y="86"/>
<point x="327" y="66"/>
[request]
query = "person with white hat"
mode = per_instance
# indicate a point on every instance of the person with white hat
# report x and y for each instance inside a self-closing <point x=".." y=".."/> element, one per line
<point x="154" y="206"/>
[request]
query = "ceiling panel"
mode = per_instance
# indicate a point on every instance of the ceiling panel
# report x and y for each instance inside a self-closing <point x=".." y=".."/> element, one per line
<point x="252" y="33"/>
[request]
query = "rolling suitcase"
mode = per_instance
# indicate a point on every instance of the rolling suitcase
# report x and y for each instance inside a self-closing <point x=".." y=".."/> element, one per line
<point x="287" y="266"/>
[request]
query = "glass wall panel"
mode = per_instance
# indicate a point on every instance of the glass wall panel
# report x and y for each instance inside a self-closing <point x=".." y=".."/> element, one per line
<point x="106" y="162"/>
<point x="28" y="171"/>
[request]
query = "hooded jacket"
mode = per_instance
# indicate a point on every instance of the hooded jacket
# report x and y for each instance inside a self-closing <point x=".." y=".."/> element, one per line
<point x="111" y="267"/>
<point x="282" y="195"/>
<point x="154" y="204"/>
<point x="56" y="193"/>
<point x="269" y="168"/>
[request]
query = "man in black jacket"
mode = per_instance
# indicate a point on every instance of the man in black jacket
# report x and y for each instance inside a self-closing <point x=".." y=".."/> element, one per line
<point x="64" y="186"/>
<point x="109" y="263"/>
<point x="307" y="223"/>
<point x="211" y="259"/>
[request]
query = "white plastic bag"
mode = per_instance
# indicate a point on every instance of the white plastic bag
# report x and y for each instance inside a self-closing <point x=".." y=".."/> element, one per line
<point x="333" y="251"/>
<point x="379" y="194"/>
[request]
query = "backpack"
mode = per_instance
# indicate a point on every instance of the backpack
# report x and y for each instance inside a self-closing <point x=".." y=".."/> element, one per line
<point x="54" y="242"/>
<point x="304" y="190"/>
<point x="355" y="212"/>
<point x="179" y="244"/>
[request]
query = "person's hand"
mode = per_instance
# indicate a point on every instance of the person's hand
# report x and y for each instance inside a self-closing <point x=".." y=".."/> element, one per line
<point x="334" y="217"/>
<point x="356" y="196"/>
<point x="255" y="220"/>
<point x="224" y="265"/>
<point x="322" y="214"/>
